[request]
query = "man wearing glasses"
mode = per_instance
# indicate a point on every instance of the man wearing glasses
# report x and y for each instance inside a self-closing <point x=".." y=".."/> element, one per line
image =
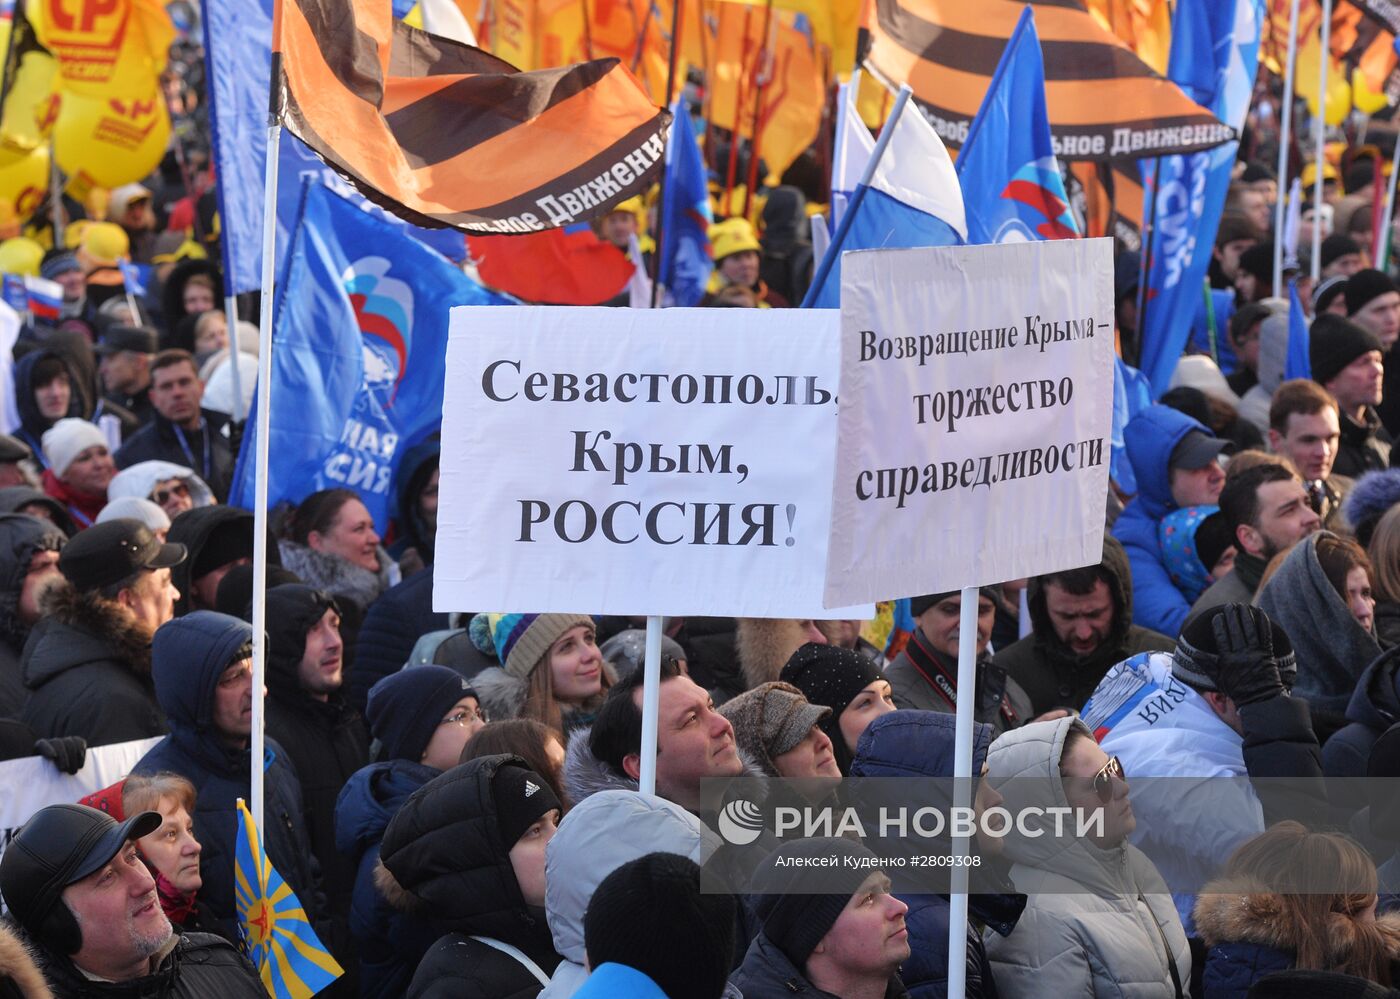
<point x="1206" y="733"/>
<point x="202" y="668"/>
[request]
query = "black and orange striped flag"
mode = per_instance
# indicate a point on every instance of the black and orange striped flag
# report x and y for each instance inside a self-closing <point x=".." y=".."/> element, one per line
<point x="1103" y="101"/>
<point x="443" y="134"/>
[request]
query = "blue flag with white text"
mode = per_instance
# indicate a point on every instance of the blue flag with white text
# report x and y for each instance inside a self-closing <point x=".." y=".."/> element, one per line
<point x="686" y="261"/>
<point x="1131" y="395"/>
<point x="359" y="347"/>
<point x="1010" y="178"/>
<point x="1214" y="57"/>
<point x="1297" y="363"/>
<point x="238" y="57"/>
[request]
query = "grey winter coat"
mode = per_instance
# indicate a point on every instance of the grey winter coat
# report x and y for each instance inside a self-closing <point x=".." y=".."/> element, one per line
<point x="1097" y="919"/>
<point x="601" y="834"/>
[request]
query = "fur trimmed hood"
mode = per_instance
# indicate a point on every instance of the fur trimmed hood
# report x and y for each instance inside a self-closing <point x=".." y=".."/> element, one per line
<point x="765" y="645"/>
<point x="339" y="577"/>
<point x="18" y="968"/>
<point x="1245" y="911"/>
<point x="114" y="632"/>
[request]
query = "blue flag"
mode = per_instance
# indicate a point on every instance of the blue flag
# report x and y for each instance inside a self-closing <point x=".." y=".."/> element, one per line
<point x="912" y="198"/>
<point x="136" y="277"/>
<point x="1131" y="395"/>
<point x="1010" y="178"/>
<point x="237" y="46"/>
<point x="278" y="939"/>
<point x="359" y="342"/>
<point x="1297" y="363"/>
<point x="685" y="243"/>
<point x="1214" y="56"/>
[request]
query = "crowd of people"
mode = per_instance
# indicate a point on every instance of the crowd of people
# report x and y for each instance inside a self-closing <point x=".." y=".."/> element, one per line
<point x="454" y="798"/>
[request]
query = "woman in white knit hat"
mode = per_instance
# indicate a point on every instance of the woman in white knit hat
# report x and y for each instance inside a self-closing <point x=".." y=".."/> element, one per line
<point x="80" y="467"/>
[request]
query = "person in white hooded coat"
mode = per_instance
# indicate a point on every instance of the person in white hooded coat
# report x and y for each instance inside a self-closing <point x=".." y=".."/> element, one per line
<point x="1099" y="920"/>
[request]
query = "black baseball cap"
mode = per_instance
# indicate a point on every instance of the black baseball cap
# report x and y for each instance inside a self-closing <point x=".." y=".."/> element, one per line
<point x="119" y="338"/>
<point x="110" y="552"/>
<point x="1197" y="450"/>
<point x="58" y="846"/>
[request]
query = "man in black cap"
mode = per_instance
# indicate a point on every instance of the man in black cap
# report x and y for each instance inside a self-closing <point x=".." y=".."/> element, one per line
<point x="1347" y="360"/>
<point x="1373" y="303"/>
<point x="12" y="452"/>
<point x="125" y="368"/>
<point x="1340" y="255"/>
<point x="87" y="664"/>
<point x="29" y="550"/>
<point x="925" y="674"/>
<point x="848" y="942"/>
<point x="72" y="879"/>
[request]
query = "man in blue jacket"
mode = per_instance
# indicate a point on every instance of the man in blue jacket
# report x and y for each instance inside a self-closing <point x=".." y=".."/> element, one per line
<point x="1176" y="462"/>
<point x="202" y="665"/>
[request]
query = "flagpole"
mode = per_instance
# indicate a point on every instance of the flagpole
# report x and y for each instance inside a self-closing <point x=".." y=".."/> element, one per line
<point x="734" y="133"/>
<point x="661" y="187"/>
<point x="962" y="788"/>
<point x="1149" y="233"/>
<point x="758" y="87"/>
<point x="56" y="199"/>
<point x="1285" y="112"/>
<point x="260" y="454"/>
<point x="1323" y="57"/>
<point x="1383" y="232"/>
<point x="834" y="250"/>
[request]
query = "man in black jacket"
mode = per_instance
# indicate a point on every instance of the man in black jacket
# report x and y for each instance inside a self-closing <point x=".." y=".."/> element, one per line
<point x="29" y="550"/>
<point x="181" y="432"/>
<point x="325" y="739"/>
<point x="73" y="881"/>
<point x="88" y="662"/>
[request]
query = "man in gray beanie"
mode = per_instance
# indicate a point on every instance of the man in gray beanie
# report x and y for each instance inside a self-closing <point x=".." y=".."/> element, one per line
<point x="833" y="930"/>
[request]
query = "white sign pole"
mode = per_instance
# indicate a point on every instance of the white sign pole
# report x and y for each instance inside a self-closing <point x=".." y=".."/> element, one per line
<point x="1321" y="139"/>
<point x="651" y="705"/>
<point x="1285" y="112"/>
<point x="962" y="789"/>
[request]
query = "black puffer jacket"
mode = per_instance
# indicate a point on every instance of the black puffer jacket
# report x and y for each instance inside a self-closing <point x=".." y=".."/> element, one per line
<point x="87" y="665"/>
<point x="1049" y="671"/>
<point x="325" y="740"/>
<point x="21" y="536"/>
<point x="392" y="626"/>
<point x="199" y="966"/>
<point x="443" y="857"/>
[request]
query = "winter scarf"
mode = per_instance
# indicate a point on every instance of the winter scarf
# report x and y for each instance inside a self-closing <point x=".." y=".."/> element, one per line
<point x="339" y="577"/>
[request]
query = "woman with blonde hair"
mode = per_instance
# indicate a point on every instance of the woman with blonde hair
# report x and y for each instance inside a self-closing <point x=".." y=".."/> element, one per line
<point x="551" y="669"/>
<point x="1294" y="899"/>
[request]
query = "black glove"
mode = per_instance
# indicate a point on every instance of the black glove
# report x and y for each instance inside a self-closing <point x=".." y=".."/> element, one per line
<point x="68" y="752"/>
<point x="1245" y="667"/>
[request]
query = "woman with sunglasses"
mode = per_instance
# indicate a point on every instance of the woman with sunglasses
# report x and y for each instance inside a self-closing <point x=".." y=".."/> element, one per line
<point x="1099" y="920"/>
<point x="173" y="488"/>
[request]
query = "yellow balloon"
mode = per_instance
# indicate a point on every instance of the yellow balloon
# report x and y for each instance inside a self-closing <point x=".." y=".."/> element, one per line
<point x="1306" y="81"/>
<point x="1367" y="100"/>
<point x="20" y="256"/>
<point x="24" y="180"/>
<point x="111" y="141"/>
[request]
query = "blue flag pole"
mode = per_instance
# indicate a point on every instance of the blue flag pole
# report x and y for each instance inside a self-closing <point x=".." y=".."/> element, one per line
<point x="1285" y="114"/>
<point x="833" y="252"/>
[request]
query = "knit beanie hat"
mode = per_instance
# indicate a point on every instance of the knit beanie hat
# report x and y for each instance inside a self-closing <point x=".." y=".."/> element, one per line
<point x="520" y="641"/>
<point x="67" y="439"/>
<point x="793" y="917"/>
<point x="135" y="508"/>
<point x="1366" y="285"/>
<point x="55" y="265"/>
<point x="770" y="720"/>
<point x="1197" y="652"/>
<point x="649" y="914"/>
<point x="1327" y="291"/>
<point x="1336" y="246"/>
<point x="405" y="708"/>
<point x="833" y="677"/>
<point x="227" y="542"/>
<point x="522" y="797"/>
<point x="1334" y="342"/>
<point x="917" y="605"/>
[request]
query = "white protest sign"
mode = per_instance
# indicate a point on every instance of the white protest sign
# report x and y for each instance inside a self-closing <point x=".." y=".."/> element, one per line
<point x="29" y="784"/>
<point x="976" y="401"/>
<point x="637" y="461"/>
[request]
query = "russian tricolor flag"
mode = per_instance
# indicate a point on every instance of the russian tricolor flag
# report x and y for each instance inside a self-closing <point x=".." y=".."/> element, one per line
<point x="44" y="298"/>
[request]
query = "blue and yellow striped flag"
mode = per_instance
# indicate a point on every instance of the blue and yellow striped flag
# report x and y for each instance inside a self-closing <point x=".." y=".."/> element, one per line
<point x="277" y="937"/>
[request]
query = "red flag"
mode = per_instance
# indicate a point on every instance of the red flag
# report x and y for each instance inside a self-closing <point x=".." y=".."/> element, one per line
<point x="568" y="266"/>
